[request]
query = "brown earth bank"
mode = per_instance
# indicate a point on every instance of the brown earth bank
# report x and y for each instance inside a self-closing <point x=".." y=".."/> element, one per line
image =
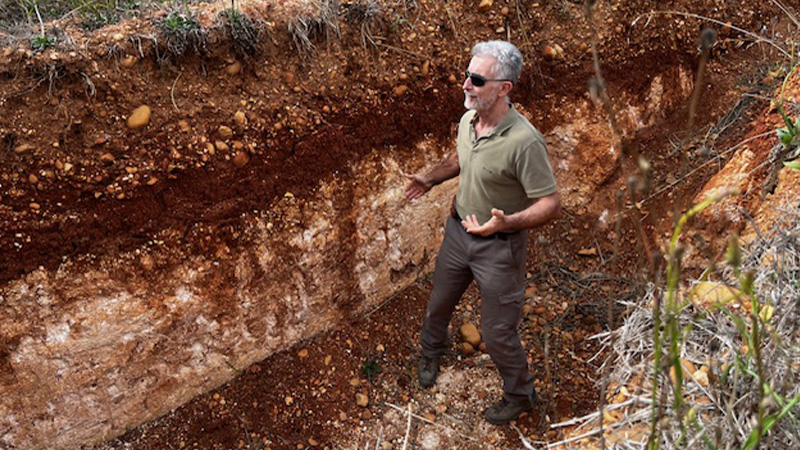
<point x="249" y="165"/>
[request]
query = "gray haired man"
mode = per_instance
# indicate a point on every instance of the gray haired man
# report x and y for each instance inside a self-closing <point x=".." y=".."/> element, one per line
<point x="505" y="187"/>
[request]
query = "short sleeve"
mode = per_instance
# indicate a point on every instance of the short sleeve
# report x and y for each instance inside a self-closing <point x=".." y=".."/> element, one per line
<point x="534" y="171"/>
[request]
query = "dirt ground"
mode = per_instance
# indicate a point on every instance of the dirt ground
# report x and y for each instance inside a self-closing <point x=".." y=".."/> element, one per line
<point x="76" y="182"/>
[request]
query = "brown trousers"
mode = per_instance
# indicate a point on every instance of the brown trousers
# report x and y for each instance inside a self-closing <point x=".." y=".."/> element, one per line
<point x="498" y="265"/>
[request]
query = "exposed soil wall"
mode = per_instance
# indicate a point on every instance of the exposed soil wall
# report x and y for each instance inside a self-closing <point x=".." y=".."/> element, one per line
<point x="260" y="204"/>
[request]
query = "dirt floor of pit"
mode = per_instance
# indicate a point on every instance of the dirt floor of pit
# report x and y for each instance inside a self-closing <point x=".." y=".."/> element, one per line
<point x="305" y="396"/>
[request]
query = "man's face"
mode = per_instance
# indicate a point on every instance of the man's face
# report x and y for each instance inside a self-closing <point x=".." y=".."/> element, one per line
<point x="481" y="98"/>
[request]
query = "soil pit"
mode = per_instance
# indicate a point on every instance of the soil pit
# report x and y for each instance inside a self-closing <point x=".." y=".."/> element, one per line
<point x="246" y="167"/>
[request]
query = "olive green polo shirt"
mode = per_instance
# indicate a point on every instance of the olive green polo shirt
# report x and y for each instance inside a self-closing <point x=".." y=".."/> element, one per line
<point x="505" y="169"/>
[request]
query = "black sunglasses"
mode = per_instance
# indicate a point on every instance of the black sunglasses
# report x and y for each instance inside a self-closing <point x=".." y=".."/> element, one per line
<point x="478" y="80"/>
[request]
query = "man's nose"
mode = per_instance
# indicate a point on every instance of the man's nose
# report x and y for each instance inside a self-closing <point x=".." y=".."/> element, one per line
<point x="467" y="84"/>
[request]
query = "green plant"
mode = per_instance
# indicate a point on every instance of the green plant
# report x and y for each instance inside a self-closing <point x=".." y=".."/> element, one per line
<point x="789" y="136"/>
<point x="39" y="43"/>
<point x="370" y="368"/>
<point x="671" y="332"/>
<point x="790" y="139"/>
<point x="181" y="30"/>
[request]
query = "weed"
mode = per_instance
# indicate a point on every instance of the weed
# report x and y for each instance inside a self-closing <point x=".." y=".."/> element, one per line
<point x="245" y="33"/>
<point x="96" y="20"/>
<point x="180" y="30"/>
<point x="370" y="368"/>
<point x="787" y="151"/>
<point x="789" y="136"/>
<point x="39" y="43"/>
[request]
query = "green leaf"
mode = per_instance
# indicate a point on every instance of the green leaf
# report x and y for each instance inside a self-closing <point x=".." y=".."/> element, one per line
<point x="769" y="422"/>
<point x="751" y="441"/>
<point x="784" y="135"/>
<point x="793" y="164"/>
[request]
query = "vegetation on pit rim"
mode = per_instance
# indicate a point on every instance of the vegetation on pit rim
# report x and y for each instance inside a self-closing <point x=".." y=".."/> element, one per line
<point x="42" y="42"/>
<point x="180" y="31"/>
<point x="94" y="14"/>
<point x="323" y="21"/>
<point x="244" y="32"/>
<point x="789" y="136"/>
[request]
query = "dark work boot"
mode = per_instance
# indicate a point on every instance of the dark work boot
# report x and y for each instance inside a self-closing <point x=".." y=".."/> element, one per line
<point x="505" y="410"/>
<point x="428" y="370"/>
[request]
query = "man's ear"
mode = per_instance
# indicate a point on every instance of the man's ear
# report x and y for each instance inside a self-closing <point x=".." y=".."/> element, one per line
<point x="505" y="89"/>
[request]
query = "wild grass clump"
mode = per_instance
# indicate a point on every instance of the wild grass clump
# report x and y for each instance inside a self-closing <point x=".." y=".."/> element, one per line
<point x="309" y="27"/>
<point x="18" y="16"/>
<point x="244" y="32"/>
<point x="744" y="390"/>
<point x="366" y="14"/>
<point x="180" y="31"/>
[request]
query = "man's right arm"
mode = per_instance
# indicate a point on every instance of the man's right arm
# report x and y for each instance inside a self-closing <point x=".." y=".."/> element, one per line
<point x="445" y="170"/>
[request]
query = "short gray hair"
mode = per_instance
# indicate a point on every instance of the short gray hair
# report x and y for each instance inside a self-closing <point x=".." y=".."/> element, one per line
<point x="508" y="56"/>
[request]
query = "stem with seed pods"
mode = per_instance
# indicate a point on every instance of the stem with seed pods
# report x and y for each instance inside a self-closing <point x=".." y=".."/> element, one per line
<point x="672" y="328"/>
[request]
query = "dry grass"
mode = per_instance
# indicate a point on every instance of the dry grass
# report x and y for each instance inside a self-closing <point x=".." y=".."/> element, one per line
<point x="244" y="32"/>
<point x="321" y="21"/>
<point x="730" y="408"/>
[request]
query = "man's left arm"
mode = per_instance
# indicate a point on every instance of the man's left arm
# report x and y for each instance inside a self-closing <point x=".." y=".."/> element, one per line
<point x="543" y="210"/>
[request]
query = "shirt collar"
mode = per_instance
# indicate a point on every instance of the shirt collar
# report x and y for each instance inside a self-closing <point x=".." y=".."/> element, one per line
<point x="508" y="120"/>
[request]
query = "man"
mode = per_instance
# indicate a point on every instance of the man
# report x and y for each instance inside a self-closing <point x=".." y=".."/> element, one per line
<point x="506" y="187"/>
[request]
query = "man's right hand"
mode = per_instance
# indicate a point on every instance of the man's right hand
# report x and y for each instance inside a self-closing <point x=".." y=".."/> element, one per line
<point x="417" y="187"/>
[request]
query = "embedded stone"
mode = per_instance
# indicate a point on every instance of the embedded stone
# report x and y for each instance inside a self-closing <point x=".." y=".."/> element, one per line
<point x="470" y="334"/>
<point x="139" y="118"/>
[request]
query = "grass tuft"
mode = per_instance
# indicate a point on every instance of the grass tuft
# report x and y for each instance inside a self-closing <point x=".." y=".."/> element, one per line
<point x="180" y="31"/>
<point x="244" y="32"/>
<point x="368" y="14"/>
<point x="322" y="21"/>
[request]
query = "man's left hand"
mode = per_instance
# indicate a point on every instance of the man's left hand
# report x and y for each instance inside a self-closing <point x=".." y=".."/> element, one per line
<point x="496" y="224"/>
